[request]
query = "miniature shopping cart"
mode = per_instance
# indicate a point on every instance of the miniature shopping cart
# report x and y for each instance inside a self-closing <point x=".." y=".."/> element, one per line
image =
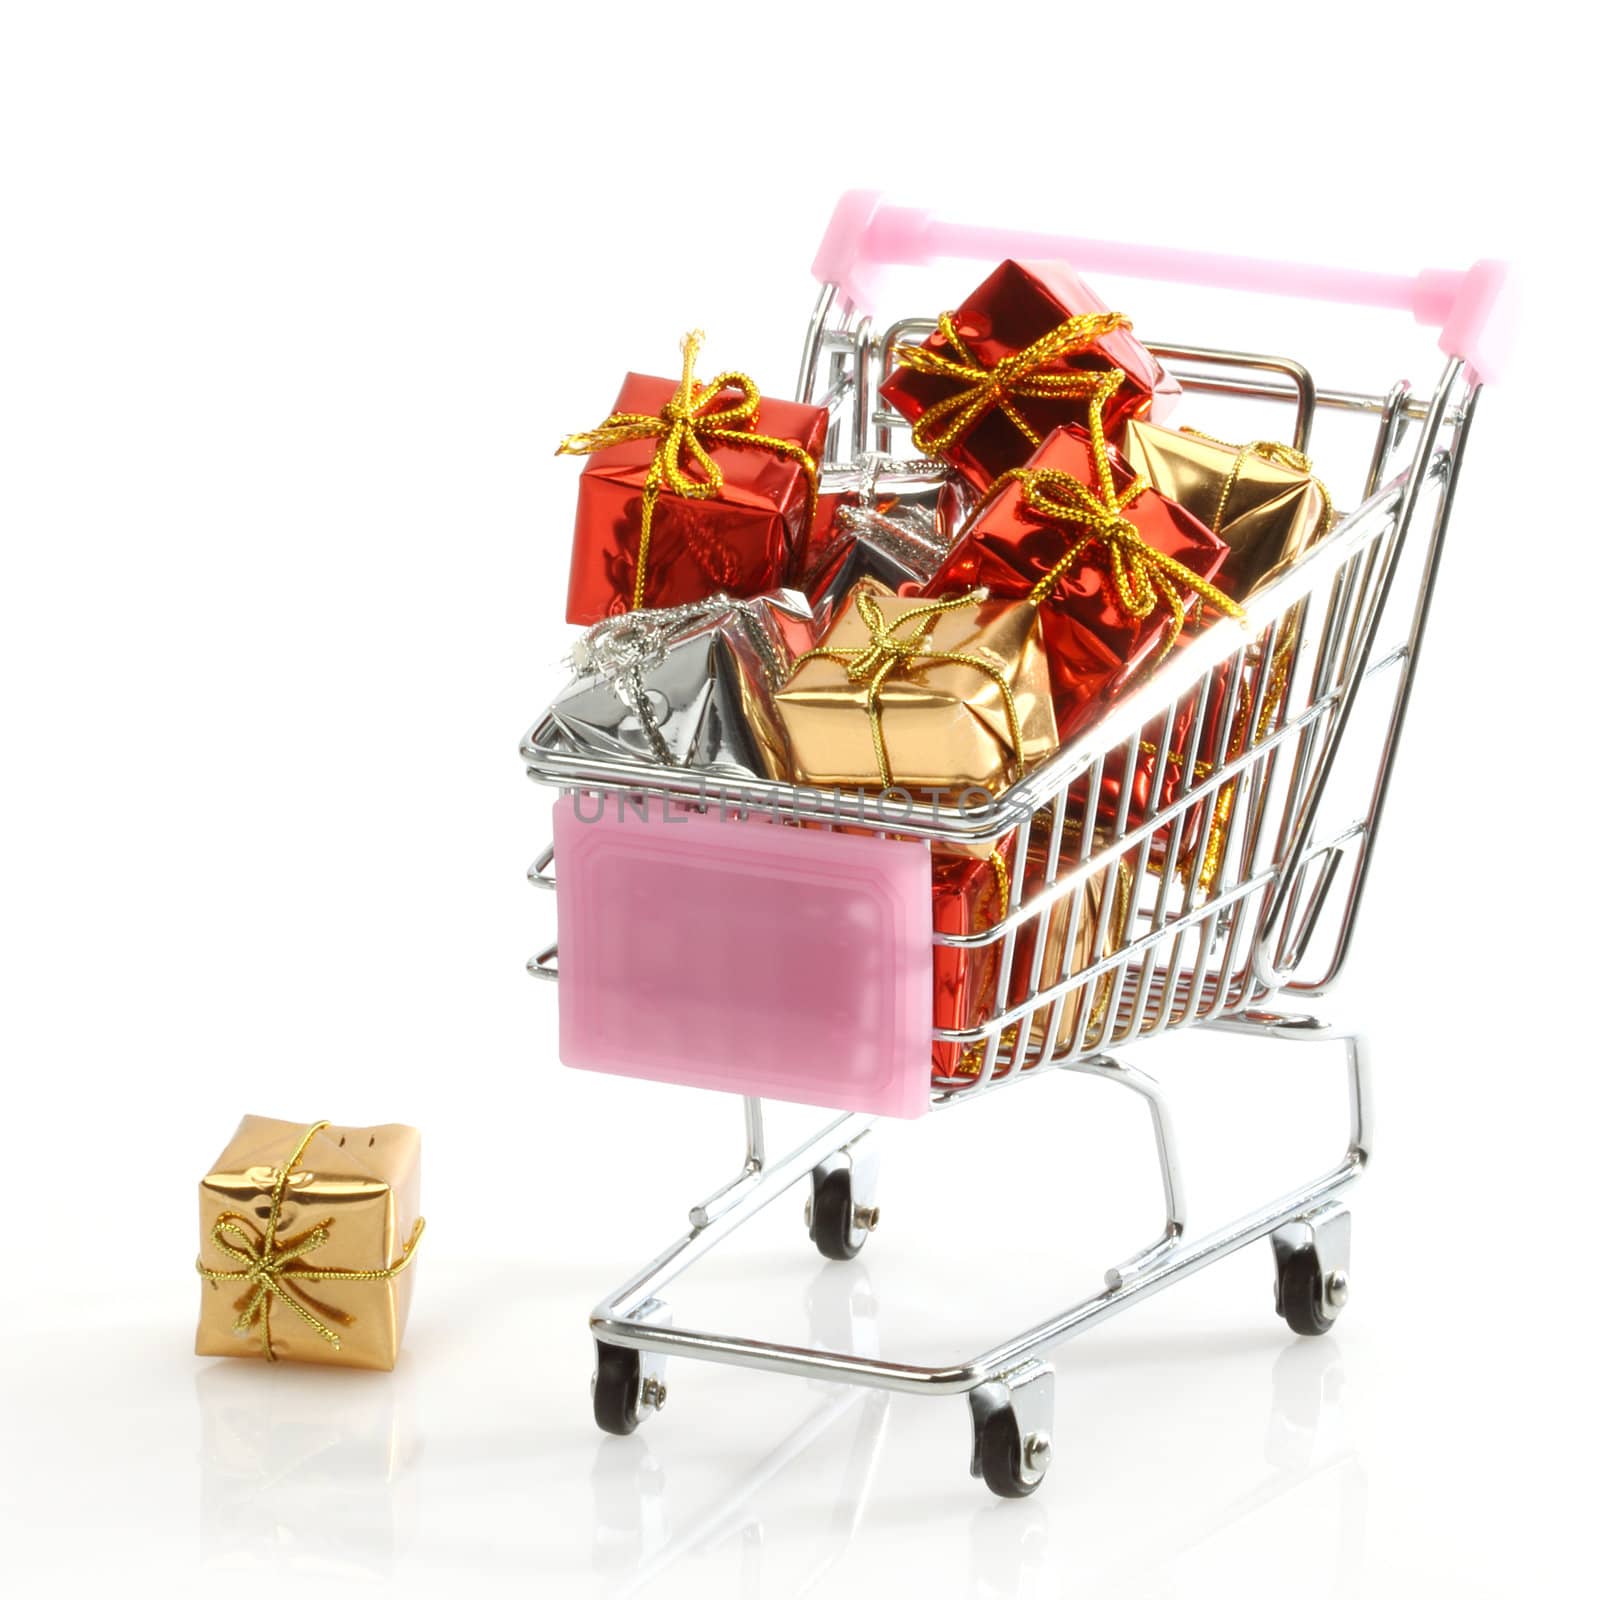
<point x="1287" y="819"/>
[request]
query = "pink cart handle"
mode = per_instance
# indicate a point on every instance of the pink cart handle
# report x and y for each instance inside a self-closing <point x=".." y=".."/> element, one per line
<point x="1469" y="308"/>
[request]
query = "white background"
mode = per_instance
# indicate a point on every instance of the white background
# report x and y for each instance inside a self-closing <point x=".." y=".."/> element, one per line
<point x="294" y="303"/>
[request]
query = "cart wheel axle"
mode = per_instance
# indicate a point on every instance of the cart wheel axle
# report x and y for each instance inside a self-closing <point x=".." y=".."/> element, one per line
<point x="833" y="1216"/>
<point x="1004" y="1454"/>
<point x="1301" y="1293"/>
<point x="1011" y="1421"/>
<point x="1313" y="1277"/>
<point x="616" y="1389"/>
<point x="840" y="1212"/>
<point x="629" y="1385"/>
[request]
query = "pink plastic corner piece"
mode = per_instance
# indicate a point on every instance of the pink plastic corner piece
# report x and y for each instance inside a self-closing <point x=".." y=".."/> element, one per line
<point x="785" y="962"/>
<point x="1481" y="325"/>
<point x="863" y="235"/>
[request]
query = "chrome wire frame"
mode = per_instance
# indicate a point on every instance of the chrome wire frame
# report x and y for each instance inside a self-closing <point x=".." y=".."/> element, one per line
<point x="1239" y="949"/>
<point x="628" y="1316"/>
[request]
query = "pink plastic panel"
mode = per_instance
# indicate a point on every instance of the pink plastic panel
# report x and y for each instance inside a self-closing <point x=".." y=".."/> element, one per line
<point x="786" y="962"/>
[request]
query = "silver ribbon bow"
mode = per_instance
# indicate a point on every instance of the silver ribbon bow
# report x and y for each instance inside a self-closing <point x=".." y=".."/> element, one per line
<point x="623" y="648"/>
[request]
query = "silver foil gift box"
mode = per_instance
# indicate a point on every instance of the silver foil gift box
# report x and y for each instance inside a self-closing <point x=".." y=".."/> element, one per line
<point x="689" y="686"/>
<point x="890" y="520"/>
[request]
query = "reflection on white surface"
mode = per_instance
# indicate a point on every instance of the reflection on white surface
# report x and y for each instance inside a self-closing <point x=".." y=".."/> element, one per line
<point x="859" y="1415"/>
<point x="306" y="1468"/>
<point x="629" y="1481"/>
<point x="630" y="1504"/>
<point x="1120" y="1515"/>
<point x="1309" y="1496"/>
<point x="631" y="1501"/>
<point x="842" y="1310"/>
<point x="1008" y="1549"/>
<point x="1200" y="1451"/>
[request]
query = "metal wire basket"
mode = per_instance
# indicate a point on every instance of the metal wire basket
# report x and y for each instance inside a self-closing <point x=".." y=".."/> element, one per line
<point x="1231" y="900"/>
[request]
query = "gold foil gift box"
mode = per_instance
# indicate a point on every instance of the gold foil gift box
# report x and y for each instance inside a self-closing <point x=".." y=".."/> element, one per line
<point x="920" y="695"/>
<point x="1264" y="503"/>
<point x="306" y="1234"/>
<point x="1073" y="943"/>
<point x="1259" y="499"/>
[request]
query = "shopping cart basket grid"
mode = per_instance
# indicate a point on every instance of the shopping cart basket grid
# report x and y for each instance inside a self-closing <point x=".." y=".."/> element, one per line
<point x="1240" y="951"/>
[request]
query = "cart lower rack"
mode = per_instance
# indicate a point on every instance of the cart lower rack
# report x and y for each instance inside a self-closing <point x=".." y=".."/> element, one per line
<point x="1285" y="825"/>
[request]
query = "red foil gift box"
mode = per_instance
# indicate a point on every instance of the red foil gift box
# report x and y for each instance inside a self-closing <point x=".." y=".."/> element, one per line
<point x="1026" y="352"/>
<point x="1116" y="572"/>
<point x="970" y="895"/>
<point x="691" y="490"/>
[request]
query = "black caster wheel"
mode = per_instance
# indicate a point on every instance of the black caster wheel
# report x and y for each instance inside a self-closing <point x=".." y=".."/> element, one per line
<point x="831" y="1215"/>
<point x="615" y="1387"/>
<point x="1303" y="1296"/>
<point x="1002" y="1450"/>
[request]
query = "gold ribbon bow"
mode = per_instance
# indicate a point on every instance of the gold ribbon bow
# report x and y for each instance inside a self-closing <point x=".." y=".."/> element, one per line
<point x="683" y="428"/>
<point x="1141" y="576"/>
<point x="267" y="1263"/>
<point x="1019" y="376"/>
<point x="889" y="651"/>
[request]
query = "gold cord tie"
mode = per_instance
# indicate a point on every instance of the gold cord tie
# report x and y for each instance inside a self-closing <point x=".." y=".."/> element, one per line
<point x="683" y="428"/>
<point x="889" y="651"/>
<point x="1002" y="878"/>
<point x="1015" y="377"/>
<point x="267" y="1262"/>
<point x="1142" y="577"/>
<point x="1280" y="455"/>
